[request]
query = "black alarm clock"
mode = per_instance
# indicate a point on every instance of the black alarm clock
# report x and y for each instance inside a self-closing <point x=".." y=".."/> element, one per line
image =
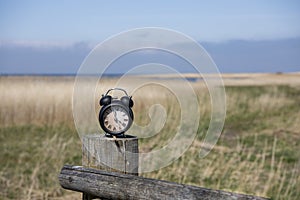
<point x="115" y="116"/>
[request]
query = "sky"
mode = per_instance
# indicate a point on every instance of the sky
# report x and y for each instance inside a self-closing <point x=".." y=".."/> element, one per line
<point x="241" y="36"/>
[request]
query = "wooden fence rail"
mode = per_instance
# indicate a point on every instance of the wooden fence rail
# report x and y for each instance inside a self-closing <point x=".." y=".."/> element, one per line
<point x="113" y="185"/>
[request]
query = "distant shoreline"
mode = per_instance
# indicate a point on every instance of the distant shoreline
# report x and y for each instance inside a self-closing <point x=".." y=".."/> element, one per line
<point x="61" y="75"/>
<point x="237" y="79"/>
<point x="155" y="75"/>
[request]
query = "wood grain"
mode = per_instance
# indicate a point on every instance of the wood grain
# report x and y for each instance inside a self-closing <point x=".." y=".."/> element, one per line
<point x="114" y="185"/>
<point x="111" y="154"/>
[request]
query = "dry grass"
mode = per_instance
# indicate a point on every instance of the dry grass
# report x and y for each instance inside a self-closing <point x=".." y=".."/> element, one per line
<point x="36" y="100"/>
<point x="258" y="152"/>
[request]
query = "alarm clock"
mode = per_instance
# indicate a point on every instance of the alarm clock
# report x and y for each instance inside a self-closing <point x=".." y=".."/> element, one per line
<point x="115" y="116"/>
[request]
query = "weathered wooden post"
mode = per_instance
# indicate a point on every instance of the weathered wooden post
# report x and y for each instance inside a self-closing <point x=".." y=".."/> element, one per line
<point x="112" y="154"/>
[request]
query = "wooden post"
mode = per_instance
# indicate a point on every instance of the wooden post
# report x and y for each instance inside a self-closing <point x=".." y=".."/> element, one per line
<point x="110" y="154"/>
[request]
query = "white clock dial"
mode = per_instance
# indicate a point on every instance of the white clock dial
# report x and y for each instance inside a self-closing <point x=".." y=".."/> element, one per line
<point x="116" y="119"/>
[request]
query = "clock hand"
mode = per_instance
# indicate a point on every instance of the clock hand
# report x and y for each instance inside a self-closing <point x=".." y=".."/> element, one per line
<point x="115" y="116"/>
<point x="120" y="123"/>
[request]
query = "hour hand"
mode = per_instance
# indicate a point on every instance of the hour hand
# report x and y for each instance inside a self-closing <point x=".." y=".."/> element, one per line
<point x="115" y="116"/>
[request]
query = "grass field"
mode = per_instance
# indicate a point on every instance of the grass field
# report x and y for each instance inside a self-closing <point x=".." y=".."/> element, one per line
<point x="258" y="152"/>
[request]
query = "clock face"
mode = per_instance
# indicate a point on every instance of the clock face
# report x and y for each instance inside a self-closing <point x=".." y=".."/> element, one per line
<point x="116" y="119"/>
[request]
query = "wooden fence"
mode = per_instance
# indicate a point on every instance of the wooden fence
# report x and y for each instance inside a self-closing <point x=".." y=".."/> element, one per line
<point x="124" y="182"/>
<point x="114" y="185"/>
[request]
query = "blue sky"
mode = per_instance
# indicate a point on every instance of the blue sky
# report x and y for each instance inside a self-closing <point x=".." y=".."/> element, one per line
<point x="33" y="33"/>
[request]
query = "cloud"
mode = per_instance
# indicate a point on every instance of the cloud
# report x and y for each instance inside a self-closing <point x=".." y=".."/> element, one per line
<point x="43" y="44"/>
<point x="43" y="57"/>
<point x="256" y="56"/>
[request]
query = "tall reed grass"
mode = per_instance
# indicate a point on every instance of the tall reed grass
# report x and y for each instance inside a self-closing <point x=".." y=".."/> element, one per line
<point x="258" y="152"/>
